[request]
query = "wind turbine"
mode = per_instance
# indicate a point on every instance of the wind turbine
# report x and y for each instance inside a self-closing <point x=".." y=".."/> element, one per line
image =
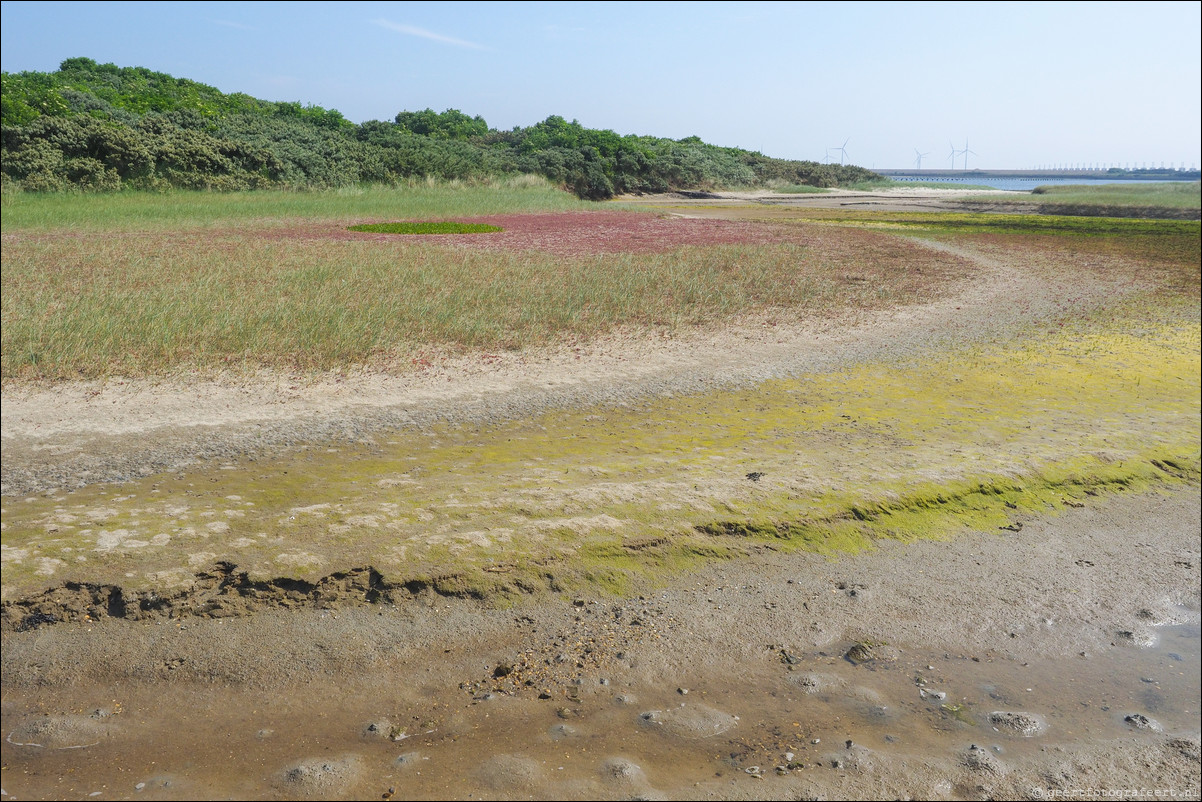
<point x="966" y="151"/>
<point x="918" y="160"/>
<point x="953" y="154"/>
<point x="842" y="150"/>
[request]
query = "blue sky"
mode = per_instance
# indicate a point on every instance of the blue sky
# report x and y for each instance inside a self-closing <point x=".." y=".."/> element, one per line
<point x="1023" y="84"/>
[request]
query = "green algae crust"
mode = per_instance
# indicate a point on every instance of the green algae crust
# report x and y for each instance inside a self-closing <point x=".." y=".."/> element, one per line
<point x="613" y="498"/>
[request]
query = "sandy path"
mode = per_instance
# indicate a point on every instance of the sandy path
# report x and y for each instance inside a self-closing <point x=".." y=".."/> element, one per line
<point x="83" y="432"/>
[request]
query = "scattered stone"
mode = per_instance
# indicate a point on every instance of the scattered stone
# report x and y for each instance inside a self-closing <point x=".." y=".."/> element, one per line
<point x="1141" y="722"/>
<point x="407" y="760"/>
<point x="871" y="652"/>
<point x="378" y="729"/>
<point x="682" y="691"/>
<point x="1024" y="724"/>
<point x="788" y="658"/>
<point x="1138" y="638"/>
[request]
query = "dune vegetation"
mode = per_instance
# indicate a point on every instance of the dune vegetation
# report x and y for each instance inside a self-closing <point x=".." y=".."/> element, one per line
<point x="104" y="128"/>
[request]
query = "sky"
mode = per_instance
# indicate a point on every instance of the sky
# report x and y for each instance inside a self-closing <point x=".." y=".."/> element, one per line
<point x="1019" y="85"/>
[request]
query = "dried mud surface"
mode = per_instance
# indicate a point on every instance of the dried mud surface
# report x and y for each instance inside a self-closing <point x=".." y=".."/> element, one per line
<point x="1058" y="658"/>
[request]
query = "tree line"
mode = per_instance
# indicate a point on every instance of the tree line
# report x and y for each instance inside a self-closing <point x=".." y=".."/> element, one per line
<point x="100" y="127"/>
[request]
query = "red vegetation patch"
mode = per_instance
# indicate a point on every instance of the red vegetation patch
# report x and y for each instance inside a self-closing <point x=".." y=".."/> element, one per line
<point x="570" y="233"/>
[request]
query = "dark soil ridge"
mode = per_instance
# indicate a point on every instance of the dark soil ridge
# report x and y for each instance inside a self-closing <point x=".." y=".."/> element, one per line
<point x="222" y="592"/>
<point x="225" y="591"/>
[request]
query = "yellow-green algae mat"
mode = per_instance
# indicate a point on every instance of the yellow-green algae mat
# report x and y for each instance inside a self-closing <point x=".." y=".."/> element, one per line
<point x="827" y="462"/>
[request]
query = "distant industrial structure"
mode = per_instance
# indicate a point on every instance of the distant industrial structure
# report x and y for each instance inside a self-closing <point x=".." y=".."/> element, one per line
<point x="1046" y="173"/>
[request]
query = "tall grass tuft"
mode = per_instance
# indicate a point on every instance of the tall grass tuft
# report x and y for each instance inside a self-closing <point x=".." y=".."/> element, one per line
<point x="1168" y="195"/>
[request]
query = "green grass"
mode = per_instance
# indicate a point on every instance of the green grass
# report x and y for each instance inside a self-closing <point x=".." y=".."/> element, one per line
<point x="145" y="211"/>
<point x="91" y="291"/>
<point x="433" y="227"/>
<point x="157" y="303"/>
<point x="1178" y="195"/>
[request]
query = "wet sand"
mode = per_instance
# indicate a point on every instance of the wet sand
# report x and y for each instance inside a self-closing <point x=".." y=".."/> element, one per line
<point x="734" y="682"/>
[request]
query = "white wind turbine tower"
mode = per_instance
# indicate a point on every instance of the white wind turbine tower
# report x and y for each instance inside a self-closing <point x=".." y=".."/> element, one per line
<point x="953" y="154"/>
<point x="918" y="159"/>
<point x="842" y="150"/>
<point x="966" y="151"/>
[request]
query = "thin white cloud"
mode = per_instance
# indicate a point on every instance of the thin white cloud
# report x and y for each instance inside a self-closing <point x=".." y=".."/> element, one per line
<point x="227" y="24"/>
<point x="411" y="30"/>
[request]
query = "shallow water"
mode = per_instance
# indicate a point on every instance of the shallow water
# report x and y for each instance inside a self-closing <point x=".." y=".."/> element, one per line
<point x="615" y="734"/>
<point x="1027" y="183"/>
